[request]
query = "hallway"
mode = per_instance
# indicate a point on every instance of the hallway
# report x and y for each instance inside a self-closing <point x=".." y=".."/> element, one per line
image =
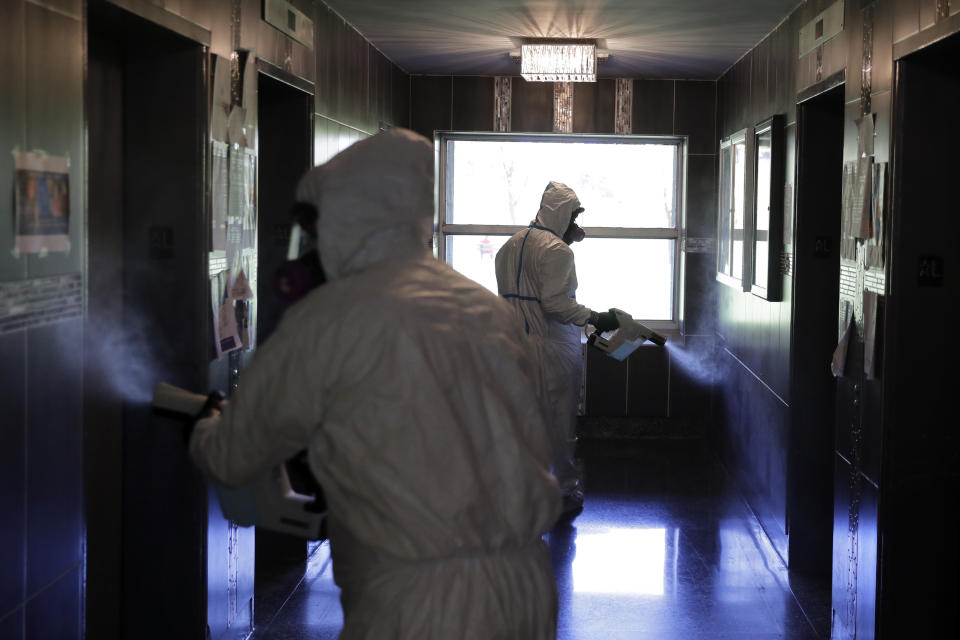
<point x="665" y="549"/>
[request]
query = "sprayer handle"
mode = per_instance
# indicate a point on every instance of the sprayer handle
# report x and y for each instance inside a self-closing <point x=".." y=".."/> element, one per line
<point x="213" y="406"/>
<point x="215" y="401"/>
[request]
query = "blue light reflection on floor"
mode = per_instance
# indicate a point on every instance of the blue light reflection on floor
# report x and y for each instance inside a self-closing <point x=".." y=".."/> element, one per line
<point x="665" y="549"/>
<point x="620" y="560"/>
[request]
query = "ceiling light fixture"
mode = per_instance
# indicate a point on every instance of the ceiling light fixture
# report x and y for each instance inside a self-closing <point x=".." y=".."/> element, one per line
<point x="559" y="61"/>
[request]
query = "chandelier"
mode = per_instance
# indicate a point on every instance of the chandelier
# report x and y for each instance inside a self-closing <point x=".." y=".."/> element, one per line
<point x="559" y="62"/>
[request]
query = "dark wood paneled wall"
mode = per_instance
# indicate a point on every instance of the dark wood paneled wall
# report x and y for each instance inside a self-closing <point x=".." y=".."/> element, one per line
<point x="41" y="378"/>
<point x="594" y="106"/>
<point x="358" y="90"/>
<point x="471" y="103"/>
<point x="753" y="411"/>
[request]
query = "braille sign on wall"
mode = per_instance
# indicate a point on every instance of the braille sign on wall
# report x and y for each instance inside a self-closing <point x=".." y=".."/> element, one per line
<point x="161" y="243"/>
<point x="931" y="271"/>
<point x="821" y="246"/>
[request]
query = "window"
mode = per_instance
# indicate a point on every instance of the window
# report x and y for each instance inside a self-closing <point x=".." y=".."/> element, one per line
<point x="631" y="189"/>
<point x="732" y="210"/>
<point x="767" y="228"/>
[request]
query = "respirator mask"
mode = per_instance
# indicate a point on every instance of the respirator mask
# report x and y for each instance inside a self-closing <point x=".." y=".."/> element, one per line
<point x="302" y="271"/>
<point x="574" y="233"/>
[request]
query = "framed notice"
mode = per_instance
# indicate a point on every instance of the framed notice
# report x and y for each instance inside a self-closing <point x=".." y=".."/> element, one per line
<point x="42" y="203"/>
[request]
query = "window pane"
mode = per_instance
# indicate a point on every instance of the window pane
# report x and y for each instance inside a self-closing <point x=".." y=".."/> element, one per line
<point x="601" y="265"/>
<point x="762" y="234"/>
<point x="619" y="184"/>
<point x="630" y="274"/>
<point x="739" y="209"/>
<point x="723" y="242"/>
<point x="473" y="256"/>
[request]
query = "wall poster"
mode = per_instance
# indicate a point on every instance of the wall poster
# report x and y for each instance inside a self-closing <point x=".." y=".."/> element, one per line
<point x="42" y="202"/>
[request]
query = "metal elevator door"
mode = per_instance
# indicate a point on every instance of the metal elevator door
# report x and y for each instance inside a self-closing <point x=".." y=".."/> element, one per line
<point x="151" y="561"/>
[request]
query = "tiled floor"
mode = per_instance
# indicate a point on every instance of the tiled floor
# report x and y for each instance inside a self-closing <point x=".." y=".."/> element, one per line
<point x="665" y="549"/>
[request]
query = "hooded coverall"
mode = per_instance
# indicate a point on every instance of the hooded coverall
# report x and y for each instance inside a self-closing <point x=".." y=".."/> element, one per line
<point x="414" y="395"/>
<point x="537" y="276"/>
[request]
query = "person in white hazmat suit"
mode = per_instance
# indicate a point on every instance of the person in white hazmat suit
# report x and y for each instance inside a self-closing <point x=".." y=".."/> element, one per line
<point x="536" y="274"/>
<point x="417" y="403"/>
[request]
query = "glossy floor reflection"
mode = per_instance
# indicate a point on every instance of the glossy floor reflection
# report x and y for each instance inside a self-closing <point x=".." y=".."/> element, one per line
<point x="665" y="549"/>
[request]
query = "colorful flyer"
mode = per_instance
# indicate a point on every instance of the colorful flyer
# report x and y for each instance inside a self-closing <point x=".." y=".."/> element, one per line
<point x="42" y="203"/>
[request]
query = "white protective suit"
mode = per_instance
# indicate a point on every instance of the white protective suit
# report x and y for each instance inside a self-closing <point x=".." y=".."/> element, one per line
<point x="414" y="395"/>
<point x="537" y="276"/>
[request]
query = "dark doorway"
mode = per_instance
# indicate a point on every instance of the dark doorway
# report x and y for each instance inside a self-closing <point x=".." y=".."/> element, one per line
<point x="285" y="153"/>
<point x="816" y="294"/>
<point x="285" y="139"/>
<point x="919" y="483"/>
<point x="147" y="321"/>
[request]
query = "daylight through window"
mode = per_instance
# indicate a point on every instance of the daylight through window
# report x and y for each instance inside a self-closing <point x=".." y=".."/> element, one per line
<point x="631" y="189"/>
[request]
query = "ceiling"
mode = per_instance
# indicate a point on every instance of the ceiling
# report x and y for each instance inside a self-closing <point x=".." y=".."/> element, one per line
<point x="689" y="39"/>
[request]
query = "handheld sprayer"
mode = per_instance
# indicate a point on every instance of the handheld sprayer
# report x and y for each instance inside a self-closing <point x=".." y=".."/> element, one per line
<point x="625" y="340"/>
<point x="286" y="499"/>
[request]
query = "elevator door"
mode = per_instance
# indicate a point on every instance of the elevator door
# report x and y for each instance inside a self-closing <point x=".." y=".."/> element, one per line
<point x="147" y="322"/>
<point x="285" y="141"/>
<point x="815" y="300"/>
<point x="285" y="153"/>
<point x="920" y="484"/>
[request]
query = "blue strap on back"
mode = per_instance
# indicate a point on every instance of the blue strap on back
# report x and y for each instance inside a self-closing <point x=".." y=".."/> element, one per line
<point x="520" y="262"/>
<point x="542" y="228"/>
<point x="517" y="296"/>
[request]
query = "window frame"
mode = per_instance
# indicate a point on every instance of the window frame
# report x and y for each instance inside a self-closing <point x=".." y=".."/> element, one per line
<point x="746" y="137"/>
<point x="443" y="229"/>
<point x="773" y="289"/>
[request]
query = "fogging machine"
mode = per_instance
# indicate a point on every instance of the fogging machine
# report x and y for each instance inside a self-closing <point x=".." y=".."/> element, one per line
<point x="625" y="340"/>
<point x="286" y="499"/>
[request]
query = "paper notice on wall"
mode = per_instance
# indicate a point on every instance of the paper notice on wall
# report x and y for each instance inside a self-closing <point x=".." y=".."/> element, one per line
<point x="865" y="131"/>
<point x="226" y="336"/>
<point x="241" y="289"/>
<point x="220" y="187"/>
<point x="848" y="244"/>
<point x="41" y="203"/>
<point x="839" y="362"/>
<point x="249" y="212"/>
<point x="220" y="108"/>
<point x="242" y="292"/>
<point x="241" y="207"/>
<point x="875" y="246"/>
<point x="870" y="311"/>
<point x="862" y="199"/>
